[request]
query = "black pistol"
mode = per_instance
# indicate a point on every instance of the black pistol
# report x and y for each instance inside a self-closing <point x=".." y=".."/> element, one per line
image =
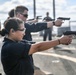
<point x="38" y="17"/>
<point x="63" y="18"/>
<point x="70" y="33"/>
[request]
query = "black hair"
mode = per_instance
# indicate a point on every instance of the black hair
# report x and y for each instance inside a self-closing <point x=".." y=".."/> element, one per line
<point x="11" y="23"/>
<point x="20" y="9"/>
<point x="11" y="13"/>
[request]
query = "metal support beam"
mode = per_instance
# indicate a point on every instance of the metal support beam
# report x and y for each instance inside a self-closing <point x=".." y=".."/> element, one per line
<point x="53" y="9"/>
<point x="34" y="6"/>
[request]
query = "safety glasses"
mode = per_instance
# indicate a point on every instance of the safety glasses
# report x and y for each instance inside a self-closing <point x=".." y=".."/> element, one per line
<point x="23" y="30"/>
<point x="25" y="15"/>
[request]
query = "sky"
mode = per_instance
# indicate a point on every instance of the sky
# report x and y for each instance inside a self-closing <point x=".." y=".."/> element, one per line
<point x="64" y="8"/>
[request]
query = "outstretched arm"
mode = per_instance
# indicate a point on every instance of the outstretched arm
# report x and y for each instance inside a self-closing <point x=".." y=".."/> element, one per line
<point x="41" y="26"/>
<point x="49" y="44"/>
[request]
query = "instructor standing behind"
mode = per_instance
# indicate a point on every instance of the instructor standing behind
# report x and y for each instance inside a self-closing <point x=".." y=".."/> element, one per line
<point x="47" y="32"/>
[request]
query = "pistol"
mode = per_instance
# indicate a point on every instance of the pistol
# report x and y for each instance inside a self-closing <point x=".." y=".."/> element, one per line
<point x="63" y="18"/>
<point x="70" y="33"/>
<point x="38" y="17"/>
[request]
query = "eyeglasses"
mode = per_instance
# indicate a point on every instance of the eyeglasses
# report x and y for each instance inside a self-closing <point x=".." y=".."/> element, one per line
<point x="25" y="15"/>
<point x="23" y="30"/>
